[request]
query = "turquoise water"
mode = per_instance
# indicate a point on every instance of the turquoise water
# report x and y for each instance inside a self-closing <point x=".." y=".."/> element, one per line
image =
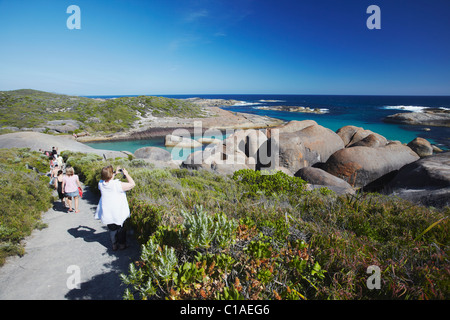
<point x="362" y="111"/>
<point x="133" y="145"/>
<point x="130" y="146"/>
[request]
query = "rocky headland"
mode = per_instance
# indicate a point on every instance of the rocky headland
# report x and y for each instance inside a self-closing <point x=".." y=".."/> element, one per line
<point x="213" y="118"/>
<point x="123" y="118"/>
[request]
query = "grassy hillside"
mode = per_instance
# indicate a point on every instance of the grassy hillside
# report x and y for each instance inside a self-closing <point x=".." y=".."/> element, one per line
<point x="253" y="236"/>
<point x="32" y="109"/>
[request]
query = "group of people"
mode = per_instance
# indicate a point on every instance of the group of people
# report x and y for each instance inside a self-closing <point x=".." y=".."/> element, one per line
<point x="112" y="209"/>
<point x="68" y="186"/>
<point x="64" y="180"/>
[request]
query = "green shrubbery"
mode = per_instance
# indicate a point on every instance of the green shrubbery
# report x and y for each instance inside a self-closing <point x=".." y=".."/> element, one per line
<point x="214" y="257"/>
<point x="268" y="183"/>
<point x="257" y="236"/>
<point x="24" y="195"/>
<point x="342" y="236"/>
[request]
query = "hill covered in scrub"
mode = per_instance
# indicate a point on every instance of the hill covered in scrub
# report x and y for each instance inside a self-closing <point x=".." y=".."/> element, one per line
<point x="45" y="111"/>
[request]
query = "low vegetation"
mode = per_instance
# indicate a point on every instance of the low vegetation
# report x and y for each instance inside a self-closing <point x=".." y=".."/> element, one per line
<point x="263" y="236"/>
<point x="24" y="196"/>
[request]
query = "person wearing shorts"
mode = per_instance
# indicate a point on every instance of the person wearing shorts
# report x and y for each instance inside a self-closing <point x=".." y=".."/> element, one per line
<point x="70" y="186"/>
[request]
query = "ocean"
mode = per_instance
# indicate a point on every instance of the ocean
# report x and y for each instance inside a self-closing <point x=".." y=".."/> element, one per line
<point x="337" y="111"/>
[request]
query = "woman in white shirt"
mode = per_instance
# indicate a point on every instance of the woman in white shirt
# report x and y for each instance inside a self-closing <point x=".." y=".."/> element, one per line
<point x="113" y="207"/>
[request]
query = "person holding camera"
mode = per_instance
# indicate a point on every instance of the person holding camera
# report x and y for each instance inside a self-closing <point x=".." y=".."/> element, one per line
<point x="113" y="207"/>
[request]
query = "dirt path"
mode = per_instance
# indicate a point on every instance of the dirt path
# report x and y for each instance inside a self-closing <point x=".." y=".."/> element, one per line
<point x="70" y="259"/>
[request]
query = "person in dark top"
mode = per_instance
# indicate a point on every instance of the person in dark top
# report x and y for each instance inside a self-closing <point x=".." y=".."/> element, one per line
<point x="58" y="187"/>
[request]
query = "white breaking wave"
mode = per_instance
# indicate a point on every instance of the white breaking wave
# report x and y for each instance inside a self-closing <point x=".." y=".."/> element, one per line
<point x="305" y="110"/>
<point x="245" y="103"/>
<point x="411" y="108"/>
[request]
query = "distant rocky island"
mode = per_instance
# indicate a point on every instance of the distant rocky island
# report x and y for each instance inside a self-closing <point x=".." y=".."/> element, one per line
<point x="429" y="117"/>
<point x="293" y="109"/>
<point x="212" y="102"/>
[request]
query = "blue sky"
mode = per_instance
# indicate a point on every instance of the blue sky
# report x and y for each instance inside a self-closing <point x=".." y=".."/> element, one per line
<point x="226" y="46"/>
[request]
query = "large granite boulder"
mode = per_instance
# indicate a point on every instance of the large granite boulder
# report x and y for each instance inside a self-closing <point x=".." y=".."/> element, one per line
<point x="294" y="125"/>
<point x="357" y="136"/>
<point x="319" y="178"/>
<point x="360" y="166"/>
<point x="63" y="126"/>
<point x="421" y="146"/>
<point x="299" y="149"/>
<point x="346" y="133"/>
<point x="426" y="181"/>
<point x="246" y="141"/>
<point x="285" y="150"/>
<point x="153" y="153"/>
<point x="180" y="142"/>
<point x="363" y="134"/>
<point x="202" y="159"/>
<point x="218" y="159"/>
<point x="321" y="140"/>
<point x="372" y="141"/>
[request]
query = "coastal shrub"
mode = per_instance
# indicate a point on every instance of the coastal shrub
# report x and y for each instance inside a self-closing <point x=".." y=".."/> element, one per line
<point x="344" y="236"/>
<point x="145" y="218"/>
<point x="24" y="195"/>
<point x="138" y="163"/>
<point x="203" y="230"/>
<point x="269" y="183"/>
<point x="208" y="266"/>
<point x="356" y="233"/>
<point x="287" y="243"/>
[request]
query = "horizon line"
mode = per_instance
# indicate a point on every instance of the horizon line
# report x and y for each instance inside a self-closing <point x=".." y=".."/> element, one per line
<point x="240" y="94"/>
